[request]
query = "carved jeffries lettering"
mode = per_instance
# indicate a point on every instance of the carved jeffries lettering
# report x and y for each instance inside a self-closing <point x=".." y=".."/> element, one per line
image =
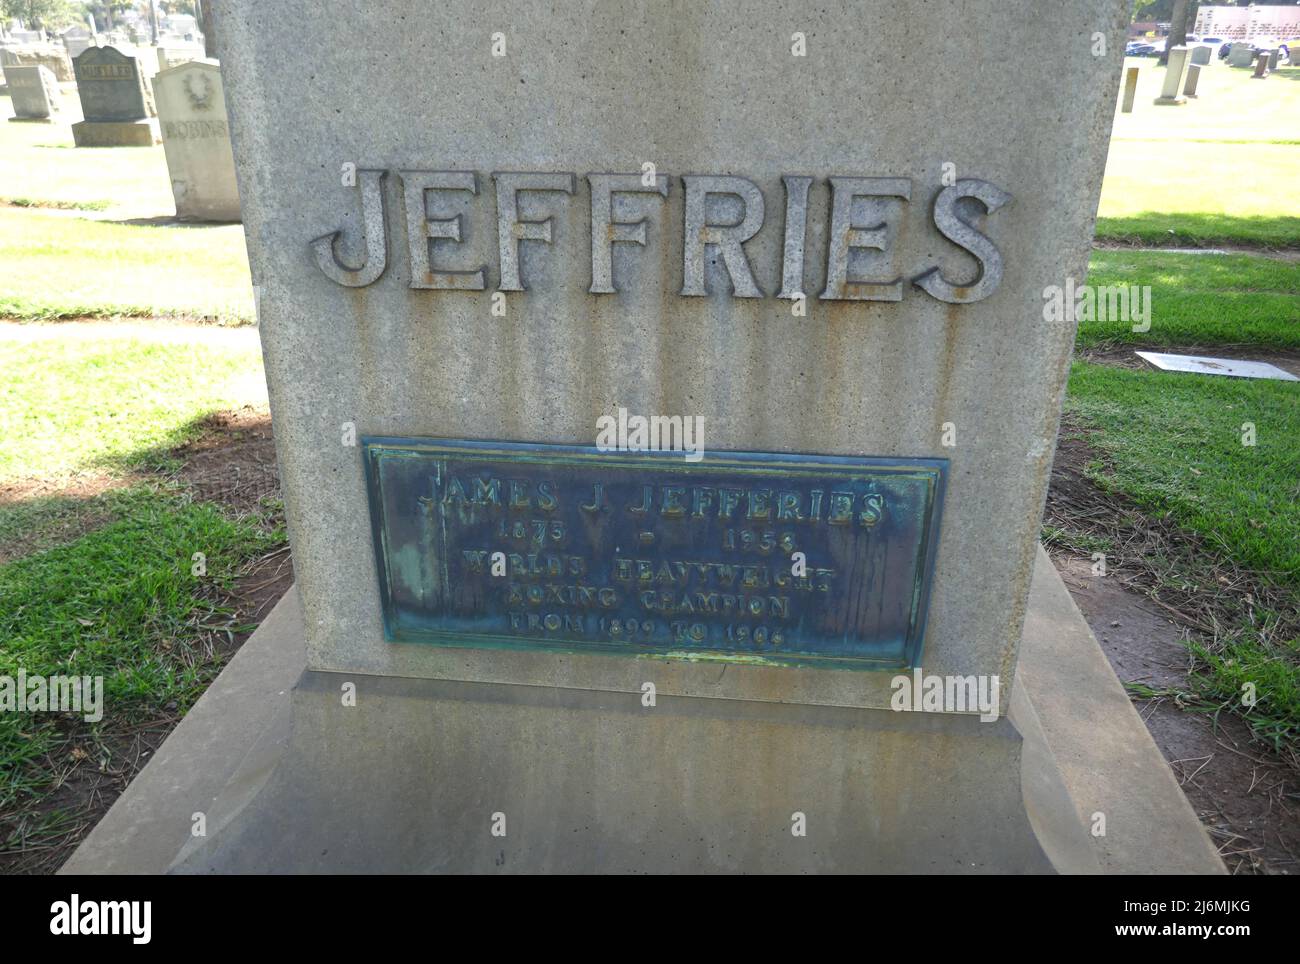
<point x="721" y="215"/>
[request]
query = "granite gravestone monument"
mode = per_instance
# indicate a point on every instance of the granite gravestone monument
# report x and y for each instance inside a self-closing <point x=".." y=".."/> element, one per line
<point x="115" y="102"/>
<point x="533" y="638"/>
<point x="34" y="93"/>
<point x="196" y="139"/>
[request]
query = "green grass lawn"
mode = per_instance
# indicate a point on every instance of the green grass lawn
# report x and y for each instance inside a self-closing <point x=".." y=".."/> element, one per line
<point x="113" y="401"/>
<point x="103" y="583"/>
<point x="130" y="179"/>
<point x="1173" y="443"/>
<point x="1201" y="299"/>
<point x="60" y="265"/>
<point x="1220" y="169"/>
<point x="121" y="603"/>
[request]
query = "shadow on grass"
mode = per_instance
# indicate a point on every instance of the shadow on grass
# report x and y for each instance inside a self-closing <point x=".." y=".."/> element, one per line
<point x="1159" y="229"/>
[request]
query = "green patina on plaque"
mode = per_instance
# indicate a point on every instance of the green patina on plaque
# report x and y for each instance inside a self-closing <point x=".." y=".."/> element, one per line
<point x="793" y="560"/>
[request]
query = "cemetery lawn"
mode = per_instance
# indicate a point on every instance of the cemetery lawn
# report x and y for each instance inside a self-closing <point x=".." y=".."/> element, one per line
<point x="90" y="233"/>
<point x="1219" y="170"/>
<point x="1200" y="299"/>
<point x="100" y="520"/>
<point x="1172" y="444"/>
<point x="60" y="265"/>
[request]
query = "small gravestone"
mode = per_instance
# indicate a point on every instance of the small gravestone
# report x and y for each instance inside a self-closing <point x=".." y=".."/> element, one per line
<point x="173" y="54"/>
<point x="34" y="93"/>
<point x="196" y="138"/>
<point x="1261" y="68"/>
<point x="1193" y="78"/>
<point x="1130" y="89"/>
<point x="115" y="102"/>
<point x="1240" y="55"/>
<point x="1171" y="89"/>
<point x="1274" y="58"/>
<point x="1201" y="55"/>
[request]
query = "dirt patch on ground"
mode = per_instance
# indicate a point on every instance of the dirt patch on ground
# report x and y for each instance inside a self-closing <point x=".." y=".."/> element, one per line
<point x="1124" y="357"/>
<point x="232" y="462"/>
<point x="1246" y="797"/>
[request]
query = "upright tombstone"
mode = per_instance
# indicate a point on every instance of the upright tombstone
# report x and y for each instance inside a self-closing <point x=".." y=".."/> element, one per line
<point x="1201" y="55"/>
<point x="34" y="93"/>
<point x="1261" y="68"/>
<point x="1130" y="89"/>
<point x="1171" y="89"/>
<point x="51" y="56"/>
<point x="114" y="101"/>
<point x="1193" y="78"/>
<point x="1240" y="55"/>
<point x="1274" y="58"/>
<point x="531" y="644"/>
<point x="196" y="138"/>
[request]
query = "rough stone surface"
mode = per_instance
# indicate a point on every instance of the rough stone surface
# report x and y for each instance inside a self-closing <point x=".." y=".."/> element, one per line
<point x="33" y="91"/>
<point x="691" y="89"/>
<point x="196" y="138"/>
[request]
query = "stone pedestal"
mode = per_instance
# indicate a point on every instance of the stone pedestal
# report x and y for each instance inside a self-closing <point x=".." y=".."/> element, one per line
<point x="138" y="133"/>
<point x="417" y="774"/>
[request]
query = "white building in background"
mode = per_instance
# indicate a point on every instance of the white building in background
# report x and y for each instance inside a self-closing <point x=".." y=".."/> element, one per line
<point x="1247" y="23"/>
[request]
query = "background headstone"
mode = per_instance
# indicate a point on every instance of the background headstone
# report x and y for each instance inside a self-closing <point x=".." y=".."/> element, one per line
<point x="33" y="91"/>
<point x="1171" y="89"/>
<point x="1130" y="89"/>
<point x="1201" y="55"/>
<point x="1193" y="77"/>
<point x="1240" y="55"/>
<point x="52" y="56"/>
<point x="196" y="138"/>
<point x="115" y="101"/>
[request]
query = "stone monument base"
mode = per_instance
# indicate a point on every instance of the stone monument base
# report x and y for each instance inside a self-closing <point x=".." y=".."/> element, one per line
<point x="141" y="133"/>
<point x="32" y="120"/>
<point x="416" y="775"/>
<point x="1170" y="101"/>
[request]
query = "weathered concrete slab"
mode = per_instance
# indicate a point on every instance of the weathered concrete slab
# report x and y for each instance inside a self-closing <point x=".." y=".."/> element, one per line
<point x="1083" y="744"/>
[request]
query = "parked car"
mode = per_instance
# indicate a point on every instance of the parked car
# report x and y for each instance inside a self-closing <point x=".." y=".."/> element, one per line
<point x="1143" y="50"/>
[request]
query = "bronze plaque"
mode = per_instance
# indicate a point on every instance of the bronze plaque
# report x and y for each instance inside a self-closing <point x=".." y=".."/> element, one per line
<point x="796" y="560"/>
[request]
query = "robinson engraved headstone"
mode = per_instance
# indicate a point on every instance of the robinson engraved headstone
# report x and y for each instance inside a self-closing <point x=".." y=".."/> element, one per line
<point x="491" y="248"/>
<point x="33" y="91"/>
<point x="196" y="139"/>
<point x="114" y="101"/>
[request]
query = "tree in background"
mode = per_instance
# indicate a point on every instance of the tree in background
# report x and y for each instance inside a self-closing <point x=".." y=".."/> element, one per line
<point x="38" y="14"/>
<point x="1179" y="19"/>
